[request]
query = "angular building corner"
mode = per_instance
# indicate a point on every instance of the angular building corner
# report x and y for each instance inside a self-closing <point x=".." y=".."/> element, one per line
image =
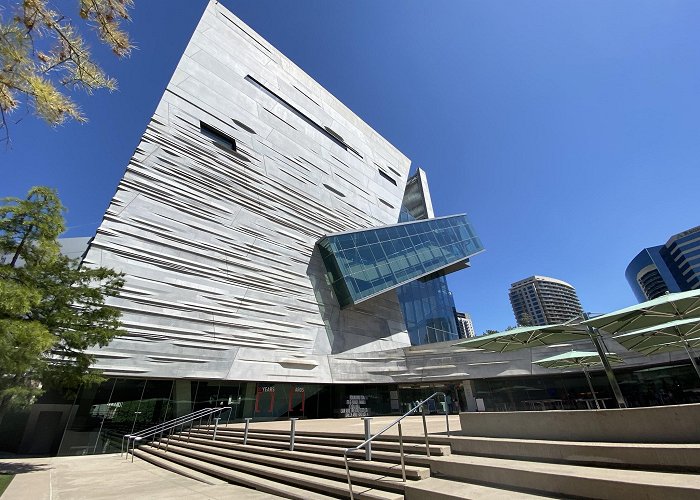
<point x="246" y="165"/>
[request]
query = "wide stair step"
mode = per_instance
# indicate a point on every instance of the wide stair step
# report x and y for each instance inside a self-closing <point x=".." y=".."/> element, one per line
<point x="377" y="479"/>
<point x="661" y="457"/>
<point x="434" y="438"/>
<point x="330" y="440"/>
<point x="444" y="489"/>
<point x="566" y="479"/>
<point x="375" y="466"/>
<point x="269" y="477"/>
<point x="417" y="458"/>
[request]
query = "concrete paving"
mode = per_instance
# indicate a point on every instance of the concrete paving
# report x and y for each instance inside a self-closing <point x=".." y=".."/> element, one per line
<point x="98" y="477"/>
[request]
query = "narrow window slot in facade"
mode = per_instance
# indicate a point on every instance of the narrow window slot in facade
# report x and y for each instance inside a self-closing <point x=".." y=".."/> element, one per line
<point x="333" y="190"/>
<point x="217" y="136"/>
<point x="387" y="176"/>
<point x="332" y="136"/>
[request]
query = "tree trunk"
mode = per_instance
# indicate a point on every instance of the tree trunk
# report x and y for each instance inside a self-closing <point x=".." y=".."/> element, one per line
<point x="21" y="246"/>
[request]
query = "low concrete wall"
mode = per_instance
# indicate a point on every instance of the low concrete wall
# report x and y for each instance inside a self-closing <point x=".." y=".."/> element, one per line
<point x="656" y="424"/>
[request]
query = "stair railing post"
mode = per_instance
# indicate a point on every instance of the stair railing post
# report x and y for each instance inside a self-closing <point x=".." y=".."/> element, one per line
<point x="347" y="472"/>
<point x="245" y="431"/>
<point x="216" y="425"/>
<point x="447" y="415"/>
<point x="368" y="434"/>
<point x="133" y="448"/>
<point x="167" y="443"/>
<point x="292" y="433"/>
<point x="136" y="414"/>
<point x="425" y="431"/>
<point x="403" y="464"/>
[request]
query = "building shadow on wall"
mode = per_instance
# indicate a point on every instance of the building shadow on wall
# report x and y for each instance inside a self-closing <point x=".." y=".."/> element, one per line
<point x="356" y="326"/>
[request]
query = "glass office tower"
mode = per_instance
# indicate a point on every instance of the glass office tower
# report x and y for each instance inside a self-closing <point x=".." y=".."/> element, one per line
<point x="673" y="267"/>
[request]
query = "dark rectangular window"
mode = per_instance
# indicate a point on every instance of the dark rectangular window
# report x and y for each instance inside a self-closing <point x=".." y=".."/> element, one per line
<point x="218" y="136"/>
<point x="387" y="177"/>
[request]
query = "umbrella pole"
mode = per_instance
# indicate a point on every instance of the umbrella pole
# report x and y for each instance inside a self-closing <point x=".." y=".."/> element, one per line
<point x="595" y="334"/>
<point x="692" y="358"/>
<point x="590" y="386"/>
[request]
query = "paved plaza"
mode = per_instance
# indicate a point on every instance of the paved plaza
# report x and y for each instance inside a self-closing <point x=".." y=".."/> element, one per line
<point x="98" y="477"/>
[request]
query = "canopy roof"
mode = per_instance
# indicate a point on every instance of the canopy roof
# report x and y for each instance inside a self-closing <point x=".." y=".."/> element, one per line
<point x="576" y="358"/>
<point x="663" y="338"/>
<point x="669" y="307"/>
<point x="527" y="336"/>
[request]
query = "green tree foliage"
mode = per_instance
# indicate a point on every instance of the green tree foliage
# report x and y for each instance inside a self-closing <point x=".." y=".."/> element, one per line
<point x="525" y="320"/>
<point x="51" y="309"/>
<point x="489" y="332"/>
<point x="43" y="56"/>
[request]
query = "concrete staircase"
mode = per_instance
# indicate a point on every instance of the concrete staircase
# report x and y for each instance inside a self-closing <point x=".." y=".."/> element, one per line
<point x="569" y="469"/>
<point x="459" y="467"/>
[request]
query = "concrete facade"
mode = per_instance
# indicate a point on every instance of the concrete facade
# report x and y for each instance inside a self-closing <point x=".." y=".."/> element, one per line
<point x="217" y="237"/>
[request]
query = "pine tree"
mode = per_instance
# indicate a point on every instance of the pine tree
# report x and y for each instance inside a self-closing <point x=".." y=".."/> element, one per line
<point x="51" y="309"/>
<point x="43" y="55"/>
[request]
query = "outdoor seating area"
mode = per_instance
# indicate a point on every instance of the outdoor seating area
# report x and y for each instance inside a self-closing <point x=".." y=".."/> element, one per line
<point x="668" y="323"/>
<point x="556" y="404"/>
<point x="641" y="387"/>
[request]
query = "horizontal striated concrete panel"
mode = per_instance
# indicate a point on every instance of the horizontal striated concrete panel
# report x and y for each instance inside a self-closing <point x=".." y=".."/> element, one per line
<point x="245" y="164"/>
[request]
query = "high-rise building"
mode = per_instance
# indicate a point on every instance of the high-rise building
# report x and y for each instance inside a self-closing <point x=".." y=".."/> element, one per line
<point x="539" y="300"/>
<point x="465" y="326"/>
<point x="673" y="267"/>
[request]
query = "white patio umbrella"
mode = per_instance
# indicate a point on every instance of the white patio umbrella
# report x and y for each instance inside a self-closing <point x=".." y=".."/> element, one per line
<point x="582" y="359"/>
<point x="534" y="336"/>
<point x="671" y="336"/>
<point x="669" y="307"/>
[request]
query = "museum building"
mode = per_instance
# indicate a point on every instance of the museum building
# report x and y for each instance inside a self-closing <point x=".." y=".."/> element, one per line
<point x="279" y="259"/>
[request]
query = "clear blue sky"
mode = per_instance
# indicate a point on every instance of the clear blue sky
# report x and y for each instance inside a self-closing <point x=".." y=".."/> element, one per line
<point x="568" y="131"/>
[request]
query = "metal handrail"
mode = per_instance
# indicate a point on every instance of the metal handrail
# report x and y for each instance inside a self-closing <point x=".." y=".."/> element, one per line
<point x="157" y="427"/>
<point x="395" y="422"/>
<point x="170" y="425"/>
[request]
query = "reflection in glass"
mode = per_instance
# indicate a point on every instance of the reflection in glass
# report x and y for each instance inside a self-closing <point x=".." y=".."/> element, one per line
<point x="365" y="263"/>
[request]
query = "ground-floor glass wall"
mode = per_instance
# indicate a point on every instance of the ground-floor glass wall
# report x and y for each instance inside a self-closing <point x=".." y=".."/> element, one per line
<point x="649" y="386"/>
<point x="101" y="415"/>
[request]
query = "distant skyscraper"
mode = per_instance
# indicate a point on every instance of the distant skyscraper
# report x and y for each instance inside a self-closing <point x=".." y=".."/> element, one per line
<point x="673" y="267"/>
<point x="465" y="326"/>
<point x="539" y="300"/>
